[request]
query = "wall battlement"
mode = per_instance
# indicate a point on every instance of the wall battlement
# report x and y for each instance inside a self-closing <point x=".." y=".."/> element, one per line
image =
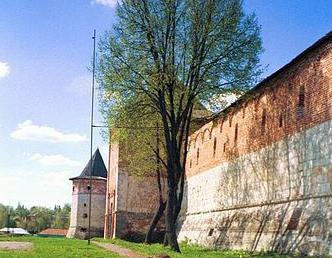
<point x="259" y="176"/>
<point x="294" y="100"/>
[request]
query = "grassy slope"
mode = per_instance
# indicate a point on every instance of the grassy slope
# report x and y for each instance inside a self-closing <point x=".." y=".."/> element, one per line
<point x="188" y="251"/>
<point x="56" y="247"/>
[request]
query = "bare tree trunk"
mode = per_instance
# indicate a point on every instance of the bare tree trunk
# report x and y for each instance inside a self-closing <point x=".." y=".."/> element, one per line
<point x="170" y="218"/>
<point x="154" y="222"/>
<point x="162" y="204"/>
<point x="165" y="243"/>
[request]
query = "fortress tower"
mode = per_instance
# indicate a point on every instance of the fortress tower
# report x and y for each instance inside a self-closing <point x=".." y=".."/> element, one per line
<point x="79" y="220"/>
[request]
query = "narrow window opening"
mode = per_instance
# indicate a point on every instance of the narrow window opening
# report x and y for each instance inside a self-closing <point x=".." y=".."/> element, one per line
<point x="214" y="146"/>
<point x="197" y="156"/>
<point x="281" y="121"/>
<point x="224" y="148"/>
<point x="88" y="187"/>
<point x="211" y="232"/>
<point x="230" y="122"/>
<point x="190" y="164"/>
<point x="301" y="103"/>
<point x="73" y="188"/>
<point x="85" y="215"/>
<point x="221" y="127"/>
<point x="263" y="121"/>
<point x="244" y="112"/>
<point x="84" y="204"/>
<point x="235" y="134"/>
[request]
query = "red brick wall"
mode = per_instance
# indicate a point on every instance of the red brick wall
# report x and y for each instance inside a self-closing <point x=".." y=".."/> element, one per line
<point x="279" y="99"/>
<point x="132" y="200"/>
<point x="81" y="186"/>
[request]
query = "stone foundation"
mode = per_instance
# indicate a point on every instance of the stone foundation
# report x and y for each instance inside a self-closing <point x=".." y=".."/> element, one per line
<point x="82" y="232"/>
<point x="133" y="226"/>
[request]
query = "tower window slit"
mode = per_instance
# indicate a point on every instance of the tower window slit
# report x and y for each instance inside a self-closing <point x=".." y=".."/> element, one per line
<point x="197" y="156"/>
<point x="263" y="125"/>
<point x="301" y="103"/>
<point x="214" y="146"/>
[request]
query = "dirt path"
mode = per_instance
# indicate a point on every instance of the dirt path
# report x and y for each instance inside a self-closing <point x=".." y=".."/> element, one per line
<point x="4" y="245"/>
<point x="119" y="250"/>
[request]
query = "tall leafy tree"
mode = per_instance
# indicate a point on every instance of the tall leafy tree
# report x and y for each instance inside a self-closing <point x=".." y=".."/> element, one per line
<point x="40" y="219"/>
<point x="165" y="55"/>
<point x="21" y="216"/>
<point x="61" y="217"/>
<point x="7" y="216"/>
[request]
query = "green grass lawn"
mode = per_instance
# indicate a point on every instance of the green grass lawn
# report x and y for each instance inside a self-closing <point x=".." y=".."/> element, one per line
<point x="65" y="248"/>
<point x="187" y="251"/>
<point x="56" y="247"/>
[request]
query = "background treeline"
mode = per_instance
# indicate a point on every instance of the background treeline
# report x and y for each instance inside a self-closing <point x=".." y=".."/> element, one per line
<point x="36" y="218"/>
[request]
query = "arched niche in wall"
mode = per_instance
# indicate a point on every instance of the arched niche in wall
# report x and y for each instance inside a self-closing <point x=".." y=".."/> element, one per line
<point x="221" y="124"/>
<point x="205" y="134"/>
<point x="190" y="142"/>
<point x="196" y="139"/>
<point x="244" y="109"/>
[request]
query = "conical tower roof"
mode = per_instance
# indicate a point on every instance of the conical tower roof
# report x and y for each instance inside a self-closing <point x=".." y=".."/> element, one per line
<point x="97" y="169"/>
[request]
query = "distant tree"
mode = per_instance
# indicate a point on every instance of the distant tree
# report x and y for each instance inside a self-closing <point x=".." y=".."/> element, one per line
<point x="40" y="218"/>
<point x="36" y="218"/>
<point x="165" y="55"/>
<point x="3" y="215"/>
<point x="61" y="217"/>
<point x="21" y="216"/>
<point x="7" y="216"/>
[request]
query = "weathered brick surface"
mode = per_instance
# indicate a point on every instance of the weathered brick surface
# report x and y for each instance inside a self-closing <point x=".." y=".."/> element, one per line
<point x="79" y="220"/>
<point x="279" y="98"/>
<point x="259" y="176"/>
<point x="132" y="200"/>
<point x="133" y="226"/>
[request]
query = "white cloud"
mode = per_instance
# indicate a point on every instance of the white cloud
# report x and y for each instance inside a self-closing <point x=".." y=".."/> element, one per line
<point x="28" y="131"/>
<point x="4" y="69"/>
<point x="54" y="160"/>
<point x="108" y="3"/>
<point x="45" y="187"/>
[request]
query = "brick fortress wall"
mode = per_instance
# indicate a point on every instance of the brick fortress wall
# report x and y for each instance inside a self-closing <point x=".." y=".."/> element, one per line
<point x="132" y="200"/>
<point x="259" y="176"/>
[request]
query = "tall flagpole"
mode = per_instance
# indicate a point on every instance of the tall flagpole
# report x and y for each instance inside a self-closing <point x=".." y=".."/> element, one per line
<point x="91" y="129"/>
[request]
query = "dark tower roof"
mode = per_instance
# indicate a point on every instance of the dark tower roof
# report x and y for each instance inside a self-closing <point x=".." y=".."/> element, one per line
<point x="97" y="170"/>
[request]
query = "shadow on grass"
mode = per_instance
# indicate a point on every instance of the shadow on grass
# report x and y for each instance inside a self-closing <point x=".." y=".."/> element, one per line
<point x="188" y="250"/>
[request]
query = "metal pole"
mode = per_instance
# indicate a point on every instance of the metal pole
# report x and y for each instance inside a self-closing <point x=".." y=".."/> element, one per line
<point x="91" y="130"/>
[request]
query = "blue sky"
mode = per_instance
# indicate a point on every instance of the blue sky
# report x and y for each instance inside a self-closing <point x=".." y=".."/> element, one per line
<point x="45" y="49"/>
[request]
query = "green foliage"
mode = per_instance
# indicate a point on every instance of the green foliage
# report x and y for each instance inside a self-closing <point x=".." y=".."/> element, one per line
<point x="161" y="59"/>
<point x="4" y="218"/>
<point x="135" y="130"/>
<point x="174" y="53"/>
<point x="36" y="218"/>
<point x="56" y="247"/>
<point x="127" y="68"/>
<point x="61" y="216"/>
